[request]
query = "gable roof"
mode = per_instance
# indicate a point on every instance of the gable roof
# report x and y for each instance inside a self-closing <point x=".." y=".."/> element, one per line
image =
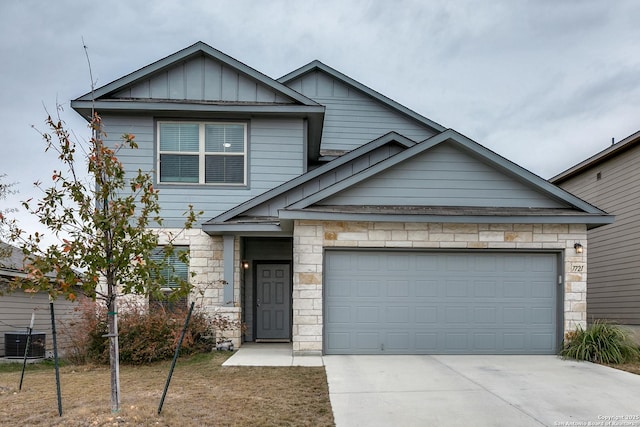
<point x="291" y="103"/>
<point x="604" y="155"/>
<point x="566" y="208"/>
<point x="390" y="138"/>
<point x="317" y="65"/>
<point x="199" y="48"/>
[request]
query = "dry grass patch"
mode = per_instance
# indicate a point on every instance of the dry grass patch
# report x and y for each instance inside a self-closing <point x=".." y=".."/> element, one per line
<point x="202" y="393"/>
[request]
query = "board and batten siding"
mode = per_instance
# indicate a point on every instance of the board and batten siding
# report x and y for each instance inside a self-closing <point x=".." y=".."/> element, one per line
<point x="202" y="79"/>
<point x="442" y="176"/>
<point x="275" y="155"/>
<point x="351" y="117"/>
<point x="15" y="316"/>
<point x="614" y="250"/>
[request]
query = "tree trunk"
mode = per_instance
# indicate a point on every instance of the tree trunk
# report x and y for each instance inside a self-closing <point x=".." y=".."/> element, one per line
<point x="114" y="354"/>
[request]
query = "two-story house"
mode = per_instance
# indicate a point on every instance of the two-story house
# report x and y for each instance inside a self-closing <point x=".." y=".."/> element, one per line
<point x="344" y="222"/>
<point x="611" y="179"/>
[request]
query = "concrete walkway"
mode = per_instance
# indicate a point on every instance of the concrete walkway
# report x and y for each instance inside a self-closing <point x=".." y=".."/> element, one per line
<point x="490" y="391"/>
<point x="270" y="354"/>
<point x="479" y="391"/>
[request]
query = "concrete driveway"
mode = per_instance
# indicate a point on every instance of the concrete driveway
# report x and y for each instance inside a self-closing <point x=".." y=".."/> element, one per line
<point x="479" y="391"/>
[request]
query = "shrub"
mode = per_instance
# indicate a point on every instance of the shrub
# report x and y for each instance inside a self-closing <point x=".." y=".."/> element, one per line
<point x="601" y="342"/>
<point x="82" y="334"/>
<point x="145" y="336"/>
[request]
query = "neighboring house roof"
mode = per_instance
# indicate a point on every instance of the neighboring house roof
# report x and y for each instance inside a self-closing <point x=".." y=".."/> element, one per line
<point x="611" y="151"/>
<point x="541" y="201"/>
<point x="10" y="265"/>
<point x="317" y="65"/>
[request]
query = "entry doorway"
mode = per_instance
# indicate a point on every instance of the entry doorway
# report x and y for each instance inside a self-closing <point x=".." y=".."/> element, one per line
<point x="272" y="280"/>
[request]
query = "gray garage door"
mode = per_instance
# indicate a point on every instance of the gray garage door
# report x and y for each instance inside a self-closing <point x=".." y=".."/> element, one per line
<point x="402" y="302"/>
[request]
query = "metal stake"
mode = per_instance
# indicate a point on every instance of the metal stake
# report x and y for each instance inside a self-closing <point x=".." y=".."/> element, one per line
<point x="55" y="357"/>
<point x="175" y="358"/>
<point x="26" y="349"/>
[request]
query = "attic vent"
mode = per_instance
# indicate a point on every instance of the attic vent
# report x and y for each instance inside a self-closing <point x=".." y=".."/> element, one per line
<point x="16" y="342"/>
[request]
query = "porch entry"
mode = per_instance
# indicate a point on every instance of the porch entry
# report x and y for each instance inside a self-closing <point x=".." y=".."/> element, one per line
<point x="273" y="301"/>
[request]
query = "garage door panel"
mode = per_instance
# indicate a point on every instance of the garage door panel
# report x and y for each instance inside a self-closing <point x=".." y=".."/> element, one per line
<point x="397" y="341"/>
<point x="468" y="304"/>
<point x="541" y="290"/>
<point x="541" y="316"/>
<point x="485" y="315"/>
<point x="514" y="342"/>
<point x="398" y="288"/>
<point x="426" y="288"/>
<point x="368" y="341"/>
<point x="426" y="314"/>
<point x="339" y="314"/>
<point x="485" y="289"/>
<point x="515" y="289"/>
<point x="370" y="314"/>
<point x="485" y="341"/>
<point x="399" y="314"/>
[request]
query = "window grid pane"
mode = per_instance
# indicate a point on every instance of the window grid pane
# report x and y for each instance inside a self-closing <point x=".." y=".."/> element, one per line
<point x="224" y="138"/>
<point x="218" y="153"/>
<point x="224" y="169"/>
<point x="179" y="168"/>
<point x="180" y="137"/>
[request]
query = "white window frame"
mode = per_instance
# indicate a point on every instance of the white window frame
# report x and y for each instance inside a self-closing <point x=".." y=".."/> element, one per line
<point x="202" y="154"/>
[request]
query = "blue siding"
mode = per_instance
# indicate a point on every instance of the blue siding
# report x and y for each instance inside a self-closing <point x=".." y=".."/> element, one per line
<point x="353" y="118"/>
<point x="202" y="79"/>
<point x="276" y="155"/>
<point x="271" y="207"/>
<point x="442" y="176"/>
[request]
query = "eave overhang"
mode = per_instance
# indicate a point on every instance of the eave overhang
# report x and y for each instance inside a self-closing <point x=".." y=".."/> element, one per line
<point x="180" y="107"/>
<point x="368" y="215"/>
<point x="283" y="228"/>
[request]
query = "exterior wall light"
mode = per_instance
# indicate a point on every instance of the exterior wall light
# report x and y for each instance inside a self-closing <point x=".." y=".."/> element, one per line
<point x="578" y="248"/>
<point x="245" y="264"/>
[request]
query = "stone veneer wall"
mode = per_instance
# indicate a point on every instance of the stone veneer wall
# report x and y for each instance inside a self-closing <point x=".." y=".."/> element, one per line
<point x="311" y="237"/>
<point x="206" y="261"/>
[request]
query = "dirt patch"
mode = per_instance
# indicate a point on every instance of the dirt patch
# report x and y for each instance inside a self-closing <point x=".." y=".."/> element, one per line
<point x="629" y="367"/>
<point x="202" y="392"/>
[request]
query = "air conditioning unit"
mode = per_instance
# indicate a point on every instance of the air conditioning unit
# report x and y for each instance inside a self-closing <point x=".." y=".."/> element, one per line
<point x="16" y="342"/>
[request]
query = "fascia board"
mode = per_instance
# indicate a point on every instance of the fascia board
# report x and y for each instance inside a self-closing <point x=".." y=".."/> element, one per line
<point x="134" y="106"/>
<point x="595" y="220"/>
<point x="241" y="228"/>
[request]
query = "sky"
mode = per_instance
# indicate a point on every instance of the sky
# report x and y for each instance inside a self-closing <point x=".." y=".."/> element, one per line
<point x="544" y="83"/>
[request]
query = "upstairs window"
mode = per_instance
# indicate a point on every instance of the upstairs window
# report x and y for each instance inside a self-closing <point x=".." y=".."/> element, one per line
<point x="202" y="153"/>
